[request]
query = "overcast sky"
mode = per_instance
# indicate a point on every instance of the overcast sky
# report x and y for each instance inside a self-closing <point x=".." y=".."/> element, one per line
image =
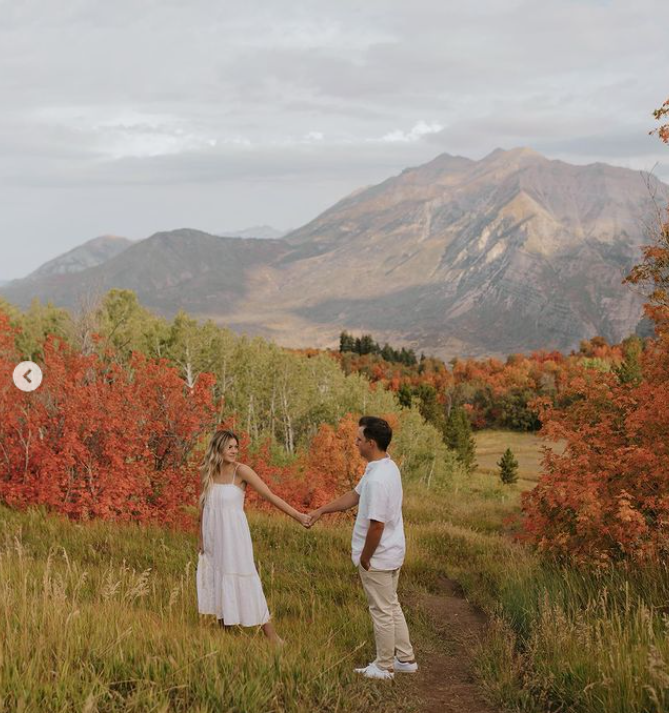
<point x="129" y="117"/>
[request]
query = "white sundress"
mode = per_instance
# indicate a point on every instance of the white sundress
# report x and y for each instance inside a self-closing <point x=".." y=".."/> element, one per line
<point x="228" y="584"/>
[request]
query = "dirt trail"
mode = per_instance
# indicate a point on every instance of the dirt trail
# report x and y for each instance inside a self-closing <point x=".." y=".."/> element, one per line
<point x="445" y="682"/>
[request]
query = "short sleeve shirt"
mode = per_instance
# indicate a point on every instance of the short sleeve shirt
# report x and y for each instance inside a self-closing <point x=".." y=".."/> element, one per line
<point x="380" y="491"/>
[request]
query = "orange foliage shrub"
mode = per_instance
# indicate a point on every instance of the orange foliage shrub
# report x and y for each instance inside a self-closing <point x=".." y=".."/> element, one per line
<point x="607" y="497"/>
<point x="98" y="439"/>
<point x="331" y="466"/>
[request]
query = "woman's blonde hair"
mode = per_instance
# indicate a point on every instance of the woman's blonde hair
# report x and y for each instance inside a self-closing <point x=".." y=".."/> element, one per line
<point x="213" y="460"/>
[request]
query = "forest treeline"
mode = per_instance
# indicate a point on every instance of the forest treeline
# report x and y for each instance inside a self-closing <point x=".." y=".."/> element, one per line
<point x="128" y="399"/>
<point x="495" y="393"/>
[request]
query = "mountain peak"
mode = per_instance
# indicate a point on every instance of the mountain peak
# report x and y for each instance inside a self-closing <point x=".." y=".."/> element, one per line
<point x="93" y="252"/>
<point x="516" y="153"/>
<point x="261" y="232"/>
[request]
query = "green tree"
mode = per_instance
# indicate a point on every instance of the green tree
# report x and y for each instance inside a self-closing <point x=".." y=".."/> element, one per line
<point x="405" y="395"/>
<point x="629" y="371"/>
<point x="508" y="467"/>
<point x="36" y="323"/>
<point x="128" y="327"/>
<point x="366" y="345"/>
<point x="388" y="353"/>
<point x="192" y="347"/>
<point x="346" y="342"/>
<point x="429" y="407"/>
<point x="458" y="437"/>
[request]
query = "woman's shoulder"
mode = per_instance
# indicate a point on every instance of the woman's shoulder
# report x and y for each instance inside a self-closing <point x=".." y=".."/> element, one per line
<point x="243" y="469"/>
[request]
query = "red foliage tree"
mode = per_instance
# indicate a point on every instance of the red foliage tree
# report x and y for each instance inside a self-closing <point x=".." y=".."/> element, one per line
<point x="98" y="439"/>
<point x="330" y="466"/>
<point x="333" y="464"/>
<point x="607" y="496"/>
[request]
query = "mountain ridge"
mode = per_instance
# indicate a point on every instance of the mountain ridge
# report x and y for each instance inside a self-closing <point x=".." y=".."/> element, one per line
<point x="510" y="253"/>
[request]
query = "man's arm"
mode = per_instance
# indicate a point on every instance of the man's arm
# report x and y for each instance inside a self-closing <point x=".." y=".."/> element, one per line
<point x="372" y="540"/>
<point x="345" y="502"/>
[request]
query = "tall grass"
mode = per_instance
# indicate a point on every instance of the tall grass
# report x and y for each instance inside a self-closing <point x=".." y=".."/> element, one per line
<point x="103" y="617"/>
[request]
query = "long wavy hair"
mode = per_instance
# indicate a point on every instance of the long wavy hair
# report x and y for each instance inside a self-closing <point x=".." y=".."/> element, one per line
<point x="213" y="460"/>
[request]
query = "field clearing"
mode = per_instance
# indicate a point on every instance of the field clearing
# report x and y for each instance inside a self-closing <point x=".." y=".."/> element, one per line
<point x="527" y="447"/>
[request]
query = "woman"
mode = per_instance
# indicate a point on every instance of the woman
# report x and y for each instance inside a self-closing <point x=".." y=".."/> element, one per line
<point x="228" y="584"/>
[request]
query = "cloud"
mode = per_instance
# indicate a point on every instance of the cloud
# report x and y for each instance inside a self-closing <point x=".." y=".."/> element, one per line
<point x="419" y="130"/>
<point x="100" y="98"/>
<point x="314" y="136"/>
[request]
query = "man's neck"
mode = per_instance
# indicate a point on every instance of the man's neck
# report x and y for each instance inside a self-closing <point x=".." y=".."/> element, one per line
<point x="378" y="456"/>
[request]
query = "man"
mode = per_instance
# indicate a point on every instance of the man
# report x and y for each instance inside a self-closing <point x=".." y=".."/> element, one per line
<point x="378" y="547"/>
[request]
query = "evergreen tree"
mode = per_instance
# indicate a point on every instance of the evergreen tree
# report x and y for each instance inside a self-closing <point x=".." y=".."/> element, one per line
<point x="458" y="436"/>
<point x="367" y="345"/>
<point x="429" y="406"/>
<point x="346" y="342"/>
<point x="508" y="467"/>
<point x="407" y="357"/>
<point x="629" y="372"/>
<point x="388" y="353"/>
<point x="405" y="396"/>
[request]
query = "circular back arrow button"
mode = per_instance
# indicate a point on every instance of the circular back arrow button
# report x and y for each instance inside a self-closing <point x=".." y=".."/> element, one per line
<point x="27" y="376"/>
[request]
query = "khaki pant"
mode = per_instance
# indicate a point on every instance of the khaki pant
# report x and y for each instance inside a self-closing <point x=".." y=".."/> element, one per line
<point x="390" y="628"/>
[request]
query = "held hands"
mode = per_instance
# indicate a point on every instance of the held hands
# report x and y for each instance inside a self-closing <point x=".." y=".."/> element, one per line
<point x="304" y="520"/>
<point x="309" y="519"/>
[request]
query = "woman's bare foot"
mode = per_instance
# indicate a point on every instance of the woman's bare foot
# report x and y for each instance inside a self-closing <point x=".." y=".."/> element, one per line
<point x="270" y="632"/>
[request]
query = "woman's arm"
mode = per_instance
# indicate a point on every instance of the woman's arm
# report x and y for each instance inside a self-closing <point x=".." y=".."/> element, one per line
<point x="257" y="483"/>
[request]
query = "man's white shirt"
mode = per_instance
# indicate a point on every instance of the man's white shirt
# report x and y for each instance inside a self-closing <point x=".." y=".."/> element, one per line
<point x="380" y="491"/>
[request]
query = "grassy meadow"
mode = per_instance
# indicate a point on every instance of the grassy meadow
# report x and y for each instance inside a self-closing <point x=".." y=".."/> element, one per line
<point x="103" y="617"/>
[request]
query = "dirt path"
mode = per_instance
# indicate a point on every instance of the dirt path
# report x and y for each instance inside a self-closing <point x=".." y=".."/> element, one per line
<point x="445" y="682"/>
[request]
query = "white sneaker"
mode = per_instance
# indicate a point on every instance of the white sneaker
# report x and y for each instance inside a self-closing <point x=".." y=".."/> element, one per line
<point x="405" y="667"/>
<point x="373" y="671"/>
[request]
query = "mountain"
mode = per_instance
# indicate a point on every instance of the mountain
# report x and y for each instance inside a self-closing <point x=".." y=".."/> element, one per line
<point x="92" y="253"/>
<point x="180" y="269"/>
<point x="511" y="253"/>
<point x="262" y="232"/>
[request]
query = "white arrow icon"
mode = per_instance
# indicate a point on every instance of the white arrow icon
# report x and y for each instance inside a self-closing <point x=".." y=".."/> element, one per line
<point x="27" y="376"/>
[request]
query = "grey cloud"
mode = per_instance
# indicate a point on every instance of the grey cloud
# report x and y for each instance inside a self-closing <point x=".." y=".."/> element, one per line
<point x="575" y="80"/>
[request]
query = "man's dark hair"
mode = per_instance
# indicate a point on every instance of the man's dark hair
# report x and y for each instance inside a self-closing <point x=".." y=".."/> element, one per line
<point x="377" y="430"/>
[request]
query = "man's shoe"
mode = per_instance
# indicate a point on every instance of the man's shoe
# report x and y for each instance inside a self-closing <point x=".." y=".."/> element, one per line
<point x="403" y="667"/>
<point x="373" y="671"/>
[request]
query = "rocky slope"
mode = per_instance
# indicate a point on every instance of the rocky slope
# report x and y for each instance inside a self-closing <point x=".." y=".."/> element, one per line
<point x="510" y="253"/>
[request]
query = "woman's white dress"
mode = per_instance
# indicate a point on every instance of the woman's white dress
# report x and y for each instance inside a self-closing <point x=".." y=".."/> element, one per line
<point x="228" y="584"/>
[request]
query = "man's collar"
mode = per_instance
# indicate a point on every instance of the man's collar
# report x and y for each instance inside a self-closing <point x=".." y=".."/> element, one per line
<point x="376" y="462"/>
